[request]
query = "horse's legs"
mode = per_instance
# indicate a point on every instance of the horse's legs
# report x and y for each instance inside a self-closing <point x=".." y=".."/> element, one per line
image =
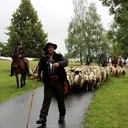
<point x="23" y="80"/>
<point x="17" y="81"/>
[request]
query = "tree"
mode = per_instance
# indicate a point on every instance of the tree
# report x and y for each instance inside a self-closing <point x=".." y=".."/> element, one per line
<point x="26" y="26"/>
<point x="112" y="37"/>
<point x="1" y="47"/>
<point x="119" y="9"/>
<point x="74" y="40"/>
<point x="85" y="32"/>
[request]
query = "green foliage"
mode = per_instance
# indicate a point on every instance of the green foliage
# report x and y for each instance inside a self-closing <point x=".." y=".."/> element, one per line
<point x="119" y="9"/>
<point x="115" y="6"/>
<point x="1" y="47"/>
<point x="86" y="34"/>
<point x="26" y="26"/>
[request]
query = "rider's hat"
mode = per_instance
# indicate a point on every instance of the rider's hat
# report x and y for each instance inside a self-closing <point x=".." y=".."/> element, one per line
<point x="19" y="43"/>
<point x="49" y="44"/>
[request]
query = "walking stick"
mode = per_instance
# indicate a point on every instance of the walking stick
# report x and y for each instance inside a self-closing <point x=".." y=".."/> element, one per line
<point x="30" y="108"/>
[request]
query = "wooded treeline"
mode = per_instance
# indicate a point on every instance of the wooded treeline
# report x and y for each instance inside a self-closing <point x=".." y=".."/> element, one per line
<point x="86" y="33"/>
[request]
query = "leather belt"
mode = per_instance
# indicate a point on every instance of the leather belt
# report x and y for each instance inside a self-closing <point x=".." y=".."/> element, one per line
<point x="54" y="78"/>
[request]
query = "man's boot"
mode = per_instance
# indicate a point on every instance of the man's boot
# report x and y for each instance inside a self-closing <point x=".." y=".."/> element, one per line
<point x="61" y="119"/>
<point x="41" y="121"/>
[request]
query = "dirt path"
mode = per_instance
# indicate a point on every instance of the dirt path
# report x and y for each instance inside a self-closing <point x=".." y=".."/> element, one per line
<point x="14" y="113"/>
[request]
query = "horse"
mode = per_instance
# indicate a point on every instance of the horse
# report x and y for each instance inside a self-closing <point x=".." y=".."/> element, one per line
<point x="19" y="68"/>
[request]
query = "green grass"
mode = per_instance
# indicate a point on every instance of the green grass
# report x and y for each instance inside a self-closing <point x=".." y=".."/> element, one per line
<point x="109" y="108"/>
<point x="8" y="87"/>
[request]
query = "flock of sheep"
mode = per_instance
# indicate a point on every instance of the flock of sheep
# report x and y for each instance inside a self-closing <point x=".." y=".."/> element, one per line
<point x="91" y="77"/>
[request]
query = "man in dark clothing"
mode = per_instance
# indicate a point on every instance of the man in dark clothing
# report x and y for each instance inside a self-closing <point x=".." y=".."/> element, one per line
<point x="88" y="60"/>
<point x="52" y="65"/>
<point x="103" y="60"/>
<point x="20" y="52"/>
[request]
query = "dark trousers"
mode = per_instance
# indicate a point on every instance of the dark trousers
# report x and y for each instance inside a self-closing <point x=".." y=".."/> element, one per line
<point x="12" y="70"/>
<point x="55" y="88"/>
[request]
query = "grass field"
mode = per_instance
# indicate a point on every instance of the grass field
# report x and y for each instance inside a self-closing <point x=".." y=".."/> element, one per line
<point x="8" y="88"/>
<point x="109" y="108"/>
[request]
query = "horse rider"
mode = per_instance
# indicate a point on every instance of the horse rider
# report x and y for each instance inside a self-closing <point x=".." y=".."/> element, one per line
<point x="20" y="52"/>
<point x="52" y="64"/>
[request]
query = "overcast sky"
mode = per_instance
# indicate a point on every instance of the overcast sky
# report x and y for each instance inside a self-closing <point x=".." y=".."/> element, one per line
<point x="55" y="16"/>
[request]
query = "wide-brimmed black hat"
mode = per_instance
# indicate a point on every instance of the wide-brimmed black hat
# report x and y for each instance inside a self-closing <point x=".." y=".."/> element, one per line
<point x="19" y="43"/>
<point x="49" y="44"/>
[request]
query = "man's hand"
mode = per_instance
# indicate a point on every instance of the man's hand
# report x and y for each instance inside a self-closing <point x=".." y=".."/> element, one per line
<point x="19" y="55"/>
<point x="55" y="65"/>
<point x="35" y="75"/>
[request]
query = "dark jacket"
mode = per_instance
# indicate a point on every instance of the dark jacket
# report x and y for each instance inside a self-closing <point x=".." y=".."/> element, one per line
<point x="88" y="60"/>
<point x="59" y="71"/>
<point x="19" y="51"/>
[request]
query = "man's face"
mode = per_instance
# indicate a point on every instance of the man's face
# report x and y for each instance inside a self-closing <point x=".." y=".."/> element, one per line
<point x="21" y="45"/>
<point x="50" y="49"/>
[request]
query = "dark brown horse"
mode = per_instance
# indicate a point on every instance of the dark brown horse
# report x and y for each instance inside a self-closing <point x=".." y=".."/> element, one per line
<point x="19" y="69"/>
